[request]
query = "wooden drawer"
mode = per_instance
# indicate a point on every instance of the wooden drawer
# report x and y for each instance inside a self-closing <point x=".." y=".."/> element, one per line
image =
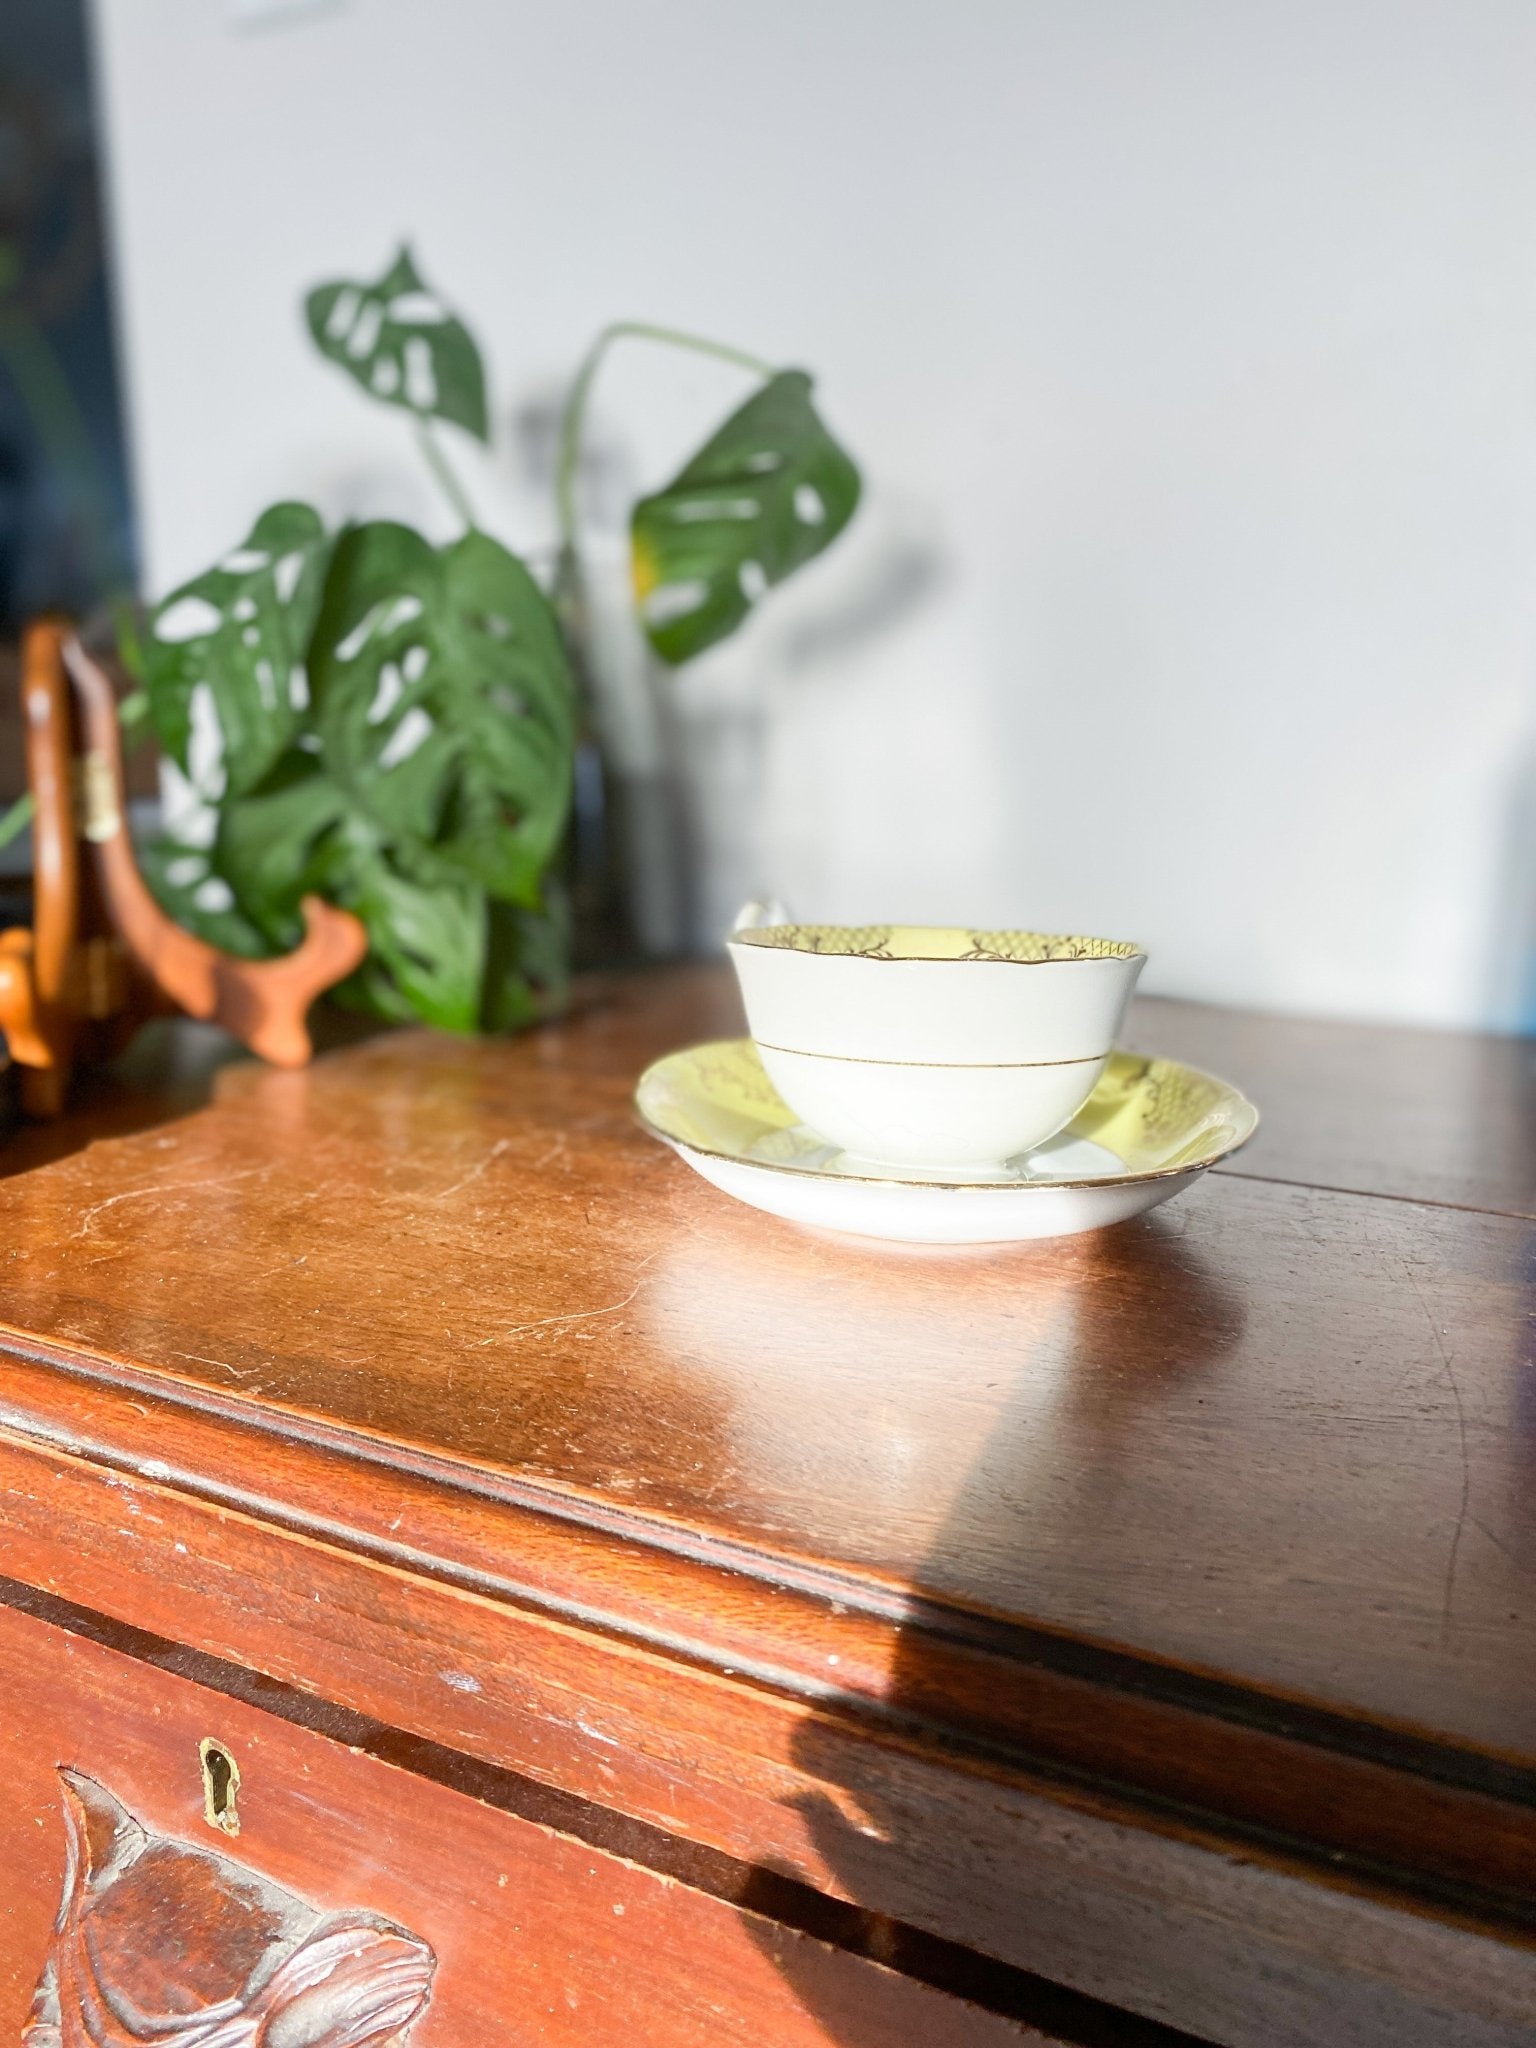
<point x="370" y="1889"/>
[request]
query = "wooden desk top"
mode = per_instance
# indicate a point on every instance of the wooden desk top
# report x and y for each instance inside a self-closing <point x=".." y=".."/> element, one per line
<point x="1429" y="1116"/>
<point x="1266" y="1457"/>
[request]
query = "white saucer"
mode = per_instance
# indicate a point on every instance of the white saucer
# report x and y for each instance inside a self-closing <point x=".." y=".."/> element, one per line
<point x="1150" y="1127"/>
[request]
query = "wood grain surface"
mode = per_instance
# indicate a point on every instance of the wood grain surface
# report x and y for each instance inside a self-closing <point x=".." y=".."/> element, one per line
<point x="1428" y="1116"/>
<point x="161" y="1942"/>
<point x="168" y="1071"/>
<point x="1211" y="1535"/>
<point x="536" y="1937"/>
<point x="1273" y="1432"/>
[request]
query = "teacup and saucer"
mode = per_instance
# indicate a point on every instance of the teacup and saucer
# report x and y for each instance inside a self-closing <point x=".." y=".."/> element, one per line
<point x="938" y="1085"/>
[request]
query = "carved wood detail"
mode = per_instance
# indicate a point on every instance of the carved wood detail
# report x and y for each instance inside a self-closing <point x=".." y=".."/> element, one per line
<point x="102" y="955"/>
<point x="262" y="1002"/>
<point x="159" y="1942"/>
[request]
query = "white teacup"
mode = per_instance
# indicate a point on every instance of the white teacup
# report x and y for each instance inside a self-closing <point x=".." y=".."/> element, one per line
<point x="917" y="1045"/>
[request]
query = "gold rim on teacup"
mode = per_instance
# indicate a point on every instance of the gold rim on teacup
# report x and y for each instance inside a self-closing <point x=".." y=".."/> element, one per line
<point x="931" y="942"/>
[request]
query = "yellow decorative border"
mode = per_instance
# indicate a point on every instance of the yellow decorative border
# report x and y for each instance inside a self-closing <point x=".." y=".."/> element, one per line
<point x="1159" y="1118"/>
<point x="933" y="942"/>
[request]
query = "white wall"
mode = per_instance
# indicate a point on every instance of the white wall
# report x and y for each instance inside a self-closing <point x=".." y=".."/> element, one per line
<point x="1190" y="348"/>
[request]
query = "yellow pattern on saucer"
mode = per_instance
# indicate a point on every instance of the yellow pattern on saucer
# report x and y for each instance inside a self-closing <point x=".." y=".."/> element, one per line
<point x="1154" y="1116"/>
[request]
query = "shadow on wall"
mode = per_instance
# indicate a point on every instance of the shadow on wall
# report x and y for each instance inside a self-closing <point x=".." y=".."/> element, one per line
<point x="1512" y="1003"/>
<point x="733" y="712"/>
<point x="686" y="750"/>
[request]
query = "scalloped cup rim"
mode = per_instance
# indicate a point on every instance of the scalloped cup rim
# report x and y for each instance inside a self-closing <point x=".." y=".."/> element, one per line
<point x="941" y="1056"/>
<point x="926" y="943"/>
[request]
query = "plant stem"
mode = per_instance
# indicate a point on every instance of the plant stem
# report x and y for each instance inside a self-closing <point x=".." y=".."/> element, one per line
<point x="573" y="417"/>
<point x="439" y="465"/>
<point x="17" y="818"/>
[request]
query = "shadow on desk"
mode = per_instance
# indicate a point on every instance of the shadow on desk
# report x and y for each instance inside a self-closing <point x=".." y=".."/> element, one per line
<point x="1019" y="1433"/>
<point x="171" y="1069"/>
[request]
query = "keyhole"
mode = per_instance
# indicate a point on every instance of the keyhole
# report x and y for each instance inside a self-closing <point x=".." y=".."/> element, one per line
<point x="221" y="1785"/>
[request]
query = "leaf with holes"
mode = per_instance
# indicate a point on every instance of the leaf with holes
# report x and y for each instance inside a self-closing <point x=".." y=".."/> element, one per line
<point x="764" y="495"/>
<point x="444" y="702"/>
<point x="185" y="882"/>
<point x="426" y="944"/>
<point x="239" y="633"/>
<point x="401" y="343"/>
<point x="426" y="923"/>
<point x="271" y="847"/>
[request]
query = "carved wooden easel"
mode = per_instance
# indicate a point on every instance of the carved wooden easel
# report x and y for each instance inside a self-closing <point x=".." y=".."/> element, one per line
<point x="101" y="955"/>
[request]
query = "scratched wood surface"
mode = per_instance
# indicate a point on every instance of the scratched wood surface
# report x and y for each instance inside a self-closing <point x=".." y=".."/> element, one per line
<point x="533" y="1937"/>
<point x="1428" y="1116"/>
<point x="427" y="1361"/>
<point x="1272" y="1431"/>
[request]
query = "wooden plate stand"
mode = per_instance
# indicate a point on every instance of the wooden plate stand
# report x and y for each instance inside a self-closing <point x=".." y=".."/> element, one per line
<point x="101" y="955"/>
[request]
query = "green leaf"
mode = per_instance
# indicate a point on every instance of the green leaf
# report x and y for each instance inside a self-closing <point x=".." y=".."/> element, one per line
<point x="185" y="882"/>
<point x="426" y="930"/>
<point x="444" y="703"/>
<point x="132" y="711"/>
<point x="401" y="343"/>
<point x="266" y="848"/>
<point x="765" y="494"/>
<point x="429" y="940"/>
<point x="241" y="631"/>
<point x="527" y="963"/>
<point x="17" y="818"/>
<point x="130" y="637"/>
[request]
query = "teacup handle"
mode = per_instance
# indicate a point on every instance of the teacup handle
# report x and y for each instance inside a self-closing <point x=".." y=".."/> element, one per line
<point x="759" y="912"/>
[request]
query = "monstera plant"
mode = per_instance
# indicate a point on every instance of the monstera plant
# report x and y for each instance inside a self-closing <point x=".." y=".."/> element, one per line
<point x="393" y="725"/>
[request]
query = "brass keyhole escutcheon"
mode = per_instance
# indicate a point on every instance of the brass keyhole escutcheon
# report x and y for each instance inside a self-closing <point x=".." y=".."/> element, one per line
<point x="221" y="1786"/>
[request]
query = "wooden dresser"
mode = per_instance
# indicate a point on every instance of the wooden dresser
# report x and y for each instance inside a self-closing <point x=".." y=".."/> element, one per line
<point x="463" y="1575"/>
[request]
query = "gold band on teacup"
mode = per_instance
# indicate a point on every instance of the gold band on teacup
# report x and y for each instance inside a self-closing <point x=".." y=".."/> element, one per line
<point x="852" y="1059"/>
